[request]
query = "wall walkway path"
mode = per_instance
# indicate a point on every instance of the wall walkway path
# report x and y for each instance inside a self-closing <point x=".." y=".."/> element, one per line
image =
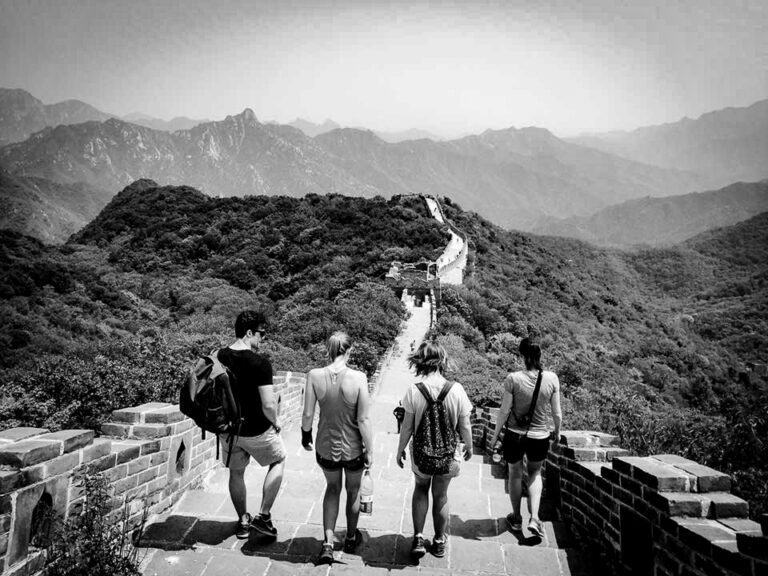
<point x="196" y="538"/>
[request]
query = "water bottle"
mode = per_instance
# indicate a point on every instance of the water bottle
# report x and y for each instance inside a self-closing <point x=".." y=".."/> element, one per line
<point x="366" y="494"/>
<point x="497" y="450"/>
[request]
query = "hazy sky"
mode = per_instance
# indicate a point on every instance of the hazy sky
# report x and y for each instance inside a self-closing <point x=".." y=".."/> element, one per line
<point x="448" y="67"/>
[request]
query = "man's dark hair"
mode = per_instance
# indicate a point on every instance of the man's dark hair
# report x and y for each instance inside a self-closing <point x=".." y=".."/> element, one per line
<point x="531" y="353"/>
<point x="251" y="320"/>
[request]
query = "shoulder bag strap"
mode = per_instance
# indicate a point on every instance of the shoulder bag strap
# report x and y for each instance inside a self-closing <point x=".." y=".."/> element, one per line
<point x="532" y="407"/>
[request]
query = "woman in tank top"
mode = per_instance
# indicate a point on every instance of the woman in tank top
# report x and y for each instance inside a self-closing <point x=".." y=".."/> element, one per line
<point x="344" y="441"/>
<point x="530" y="439"/>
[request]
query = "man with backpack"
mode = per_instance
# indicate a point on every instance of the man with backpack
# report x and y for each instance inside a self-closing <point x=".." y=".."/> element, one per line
<point x="259" y="429"/>
<point x="438" y="410"/>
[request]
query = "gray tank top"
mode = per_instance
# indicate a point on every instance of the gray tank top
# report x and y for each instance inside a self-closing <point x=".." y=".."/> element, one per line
<point x="338" y="436"/>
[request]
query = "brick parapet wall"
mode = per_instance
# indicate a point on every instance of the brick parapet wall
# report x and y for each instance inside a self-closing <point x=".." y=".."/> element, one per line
<point x="660" y="515"/>
<point x="150" y="454"/>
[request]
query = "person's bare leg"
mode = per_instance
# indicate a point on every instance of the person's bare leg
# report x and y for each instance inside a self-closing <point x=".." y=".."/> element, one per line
<point x="534" y="487"/>
<point x="331" y="502"/>
<point x="237" y="491"/>
<point x="440" y="509"/>
<point x="516" y="486"/>
<point x="420" y="504"/>
<point x="272" y="482"/>
<point x="352" y="485"/>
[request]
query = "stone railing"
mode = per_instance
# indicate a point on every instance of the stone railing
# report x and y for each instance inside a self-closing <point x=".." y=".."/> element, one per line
<point x="657" y="515"/>
<point x="150" y="454"/>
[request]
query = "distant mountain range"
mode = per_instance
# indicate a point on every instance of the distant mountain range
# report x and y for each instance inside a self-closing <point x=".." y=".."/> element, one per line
<point x="725" y="146"/>
<point x="177" y="123"/>
<point x="47" y="210"/>
<point x="312" y="130"/>
<point x="511" y="176"/>
<point x="21" y="114"/>
<point x="664" y="221"/>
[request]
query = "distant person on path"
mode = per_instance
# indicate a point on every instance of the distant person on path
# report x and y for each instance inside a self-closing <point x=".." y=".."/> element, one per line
<point x="429" y="361"/>
<point x="344" y="442"/>
<point x="260" y="431"/>
<point x="530" y="439"/>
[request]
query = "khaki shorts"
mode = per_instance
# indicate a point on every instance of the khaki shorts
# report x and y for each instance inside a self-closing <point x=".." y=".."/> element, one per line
<point x="266" y="449"/>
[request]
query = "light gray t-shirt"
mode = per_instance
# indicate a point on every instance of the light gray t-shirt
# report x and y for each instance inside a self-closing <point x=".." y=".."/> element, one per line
<point x="521" y="385"/>
<point x="456" y="403"/>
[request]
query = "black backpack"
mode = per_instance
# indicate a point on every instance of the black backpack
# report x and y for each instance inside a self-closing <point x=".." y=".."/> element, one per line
<point x="435" y="441"/>
<point x="207" y="397"/>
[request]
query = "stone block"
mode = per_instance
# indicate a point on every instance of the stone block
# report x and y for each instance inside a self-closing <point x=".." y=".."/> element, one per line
<point x="707" y="479"/>
<point x="26" y="501"/>
<point x="138" y="465"/>
<point x="124" y="485"/>
<point x="700" y="534"/>
<point x="136" y="414"/>
<point x="3" y="547"/>
<point x="55" y="467"/>
<point x="726" y="505"/>
<point x="100" y="447"/>
<point x="764" y="523"/>
<point x="753" y="544"/>
<point x="10" y="480"/>
<point x="740" y="524"/>
<point x="116" y="430"/>
<point x="126" y="450"/>
<point x="150" y="447"/>
<point x="5" y="523"/>
<point x="71" y="439"/>
<point x="21" y="433"/>
<point x="101" y="464"/>
<point x="28" y="452"/>
<point x="676" y="503"/>
<point x="158" y="458"/>
<point x="661" y="477"/>
<point x="150" y="431"/>
<point x="672" y="459"/>
<point x="167" y="415"/>
<point x="183" y="426"/>
<point x="727" y="555"/>
<point x="117" y="473"/>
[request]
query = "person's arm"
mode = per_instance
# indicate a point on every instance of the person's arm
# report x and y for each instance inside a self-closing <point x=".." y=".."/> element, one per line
<point x="308" y="414"/>
<point x="269" y="405"/>
<point x="465" y="423"/>
<point x="364" y="419"/>
<point x="557" y="414"/>
<point x="405" y="435"/>
<point x="501" y="419"/>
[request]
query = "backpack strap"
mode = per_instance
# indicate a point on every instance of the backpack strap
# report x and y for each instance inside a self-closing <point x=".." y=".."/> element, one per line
<point x="444" y="392"/>
<point x="423" y="389"/>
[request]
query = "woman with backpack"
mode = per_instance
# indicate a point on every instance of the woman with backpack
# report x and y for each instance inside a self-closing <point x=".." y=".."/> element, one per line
<point x="344" y="442"/>
<point x="523" y="414"/>
<point x="436" y="418"/>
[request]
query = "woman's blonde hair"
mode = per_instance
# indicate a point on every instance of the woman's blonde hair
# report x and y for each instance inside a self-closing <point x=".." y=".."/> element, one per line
<point x="428" y="357"/>
<point x="338" y="343"/>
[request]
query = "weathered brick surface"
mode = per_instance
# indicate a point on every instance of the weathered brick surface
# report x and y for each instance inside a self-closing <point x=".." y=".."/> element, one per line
<point x="70" y="439"/>
<point x="100" y="447"/>
<point x="60" y="465"/>
<point x="724" y="505"/>
<point x="20" y="433"/>
<point x="28" y="452"/>
<point x="136" y="414"/>
<point x="10" y="480"/>
<point x="115" y="430"/>
<point x="167" y="415"/>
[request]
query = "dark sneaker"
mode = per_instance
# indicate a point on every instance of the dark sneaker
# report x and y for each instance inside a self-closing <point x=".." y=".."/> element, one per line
<point x="515" y="522"/>
<point x="417" y="547"/>
<point x="264" y="526"/>
<point x="243" y="529"/>
<point x="438" y="548"/>
<point x="536" y="527"/>
<point x="326" y="554"/>
<point x="351" y="544"/>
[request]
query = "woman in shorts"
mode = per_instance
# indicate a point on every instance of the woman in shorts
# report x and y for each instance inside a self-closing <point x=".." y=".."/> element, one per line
<point x="344" y="441"/>
<point x="532" y="439"/>
<point x="429" y="360"/>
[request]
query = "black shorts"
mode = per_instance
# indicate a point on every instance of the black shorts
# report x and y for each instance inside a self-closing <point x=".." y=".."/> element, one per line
<point x="352" y="465"/>
<point x="515" y="445"/>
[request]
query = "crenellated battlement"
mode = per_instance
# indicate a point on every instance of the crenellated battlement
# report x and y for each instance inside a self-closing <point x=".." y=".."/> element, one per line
<point x="659" y="515"/>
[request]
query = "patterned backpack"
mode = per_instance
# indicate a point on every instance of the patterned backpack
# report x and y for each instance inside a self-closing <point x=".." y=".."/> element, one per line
<point x="435" y="441"/>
